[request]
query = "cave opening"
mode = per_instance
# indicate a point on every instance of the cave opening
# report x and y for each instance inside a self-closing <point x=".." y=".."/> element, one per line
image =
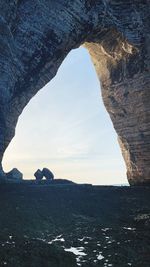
<point x="66" y="128"/>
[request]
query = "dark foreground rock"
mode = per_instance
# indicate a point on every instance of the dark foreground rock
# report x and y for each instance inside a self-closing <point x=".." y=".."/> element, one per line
<point x="43" y="226"/>
<point x="34" y="253"/>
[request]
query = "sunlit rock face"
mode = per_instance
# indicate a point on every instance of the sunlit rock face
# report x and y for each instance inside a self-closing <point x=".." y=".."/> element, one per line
<point x="36" y="36"/>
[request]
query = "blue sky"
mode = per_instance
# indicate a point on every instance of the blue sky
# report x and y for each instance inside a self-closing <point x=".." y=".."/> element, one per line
<point x="66" y="128"/>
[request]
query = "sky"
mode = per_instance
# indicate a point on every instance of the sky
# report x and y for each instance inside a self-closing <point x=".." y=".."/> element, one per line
<point x="66" y="128"/>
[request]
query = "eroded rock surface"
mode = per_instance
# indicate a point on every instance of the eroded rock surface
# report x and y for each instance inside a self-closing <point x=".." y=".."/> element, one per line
<point x="35" y="37"/>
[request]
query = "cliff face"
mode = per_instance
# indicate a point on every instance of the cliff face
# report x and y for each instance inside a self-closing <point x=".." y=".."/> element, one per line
<point x="35" y="37"/>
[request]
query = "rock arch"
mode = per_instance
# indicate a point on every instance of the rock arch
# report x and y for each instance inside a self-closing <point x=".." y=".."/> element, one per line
<point x="35" y="37"/>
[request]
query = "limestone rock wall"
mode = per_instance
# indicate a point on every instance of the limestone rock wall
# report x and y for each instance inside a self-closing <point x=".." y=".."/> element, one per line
<point x="35" y="37"/>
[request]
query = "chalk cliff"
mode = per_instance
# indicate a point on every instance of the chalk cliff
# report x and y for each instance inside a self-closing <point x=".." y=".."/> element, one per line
<point x="36" y="36"/>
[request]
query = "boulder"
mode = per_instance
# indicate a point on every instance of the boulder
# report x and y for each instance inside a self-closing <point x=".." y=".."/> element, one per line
<point x="14" y="174"/>
<point x="47" y="174"/>
<point x="38" y="175"/>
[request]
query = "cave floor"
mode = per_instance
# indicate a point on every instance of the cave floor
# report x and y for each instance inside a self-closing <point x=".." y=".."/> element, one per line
<point x="74" y="225"/>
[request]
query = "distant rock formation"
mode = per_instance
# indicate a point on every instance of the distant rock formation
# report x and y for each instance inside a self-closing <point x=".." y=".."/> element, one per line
<point x="47" y="174"/>
<point x="36" y="36"/>
<point x="39" y="175"/>
<point x="15" y="175"/>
